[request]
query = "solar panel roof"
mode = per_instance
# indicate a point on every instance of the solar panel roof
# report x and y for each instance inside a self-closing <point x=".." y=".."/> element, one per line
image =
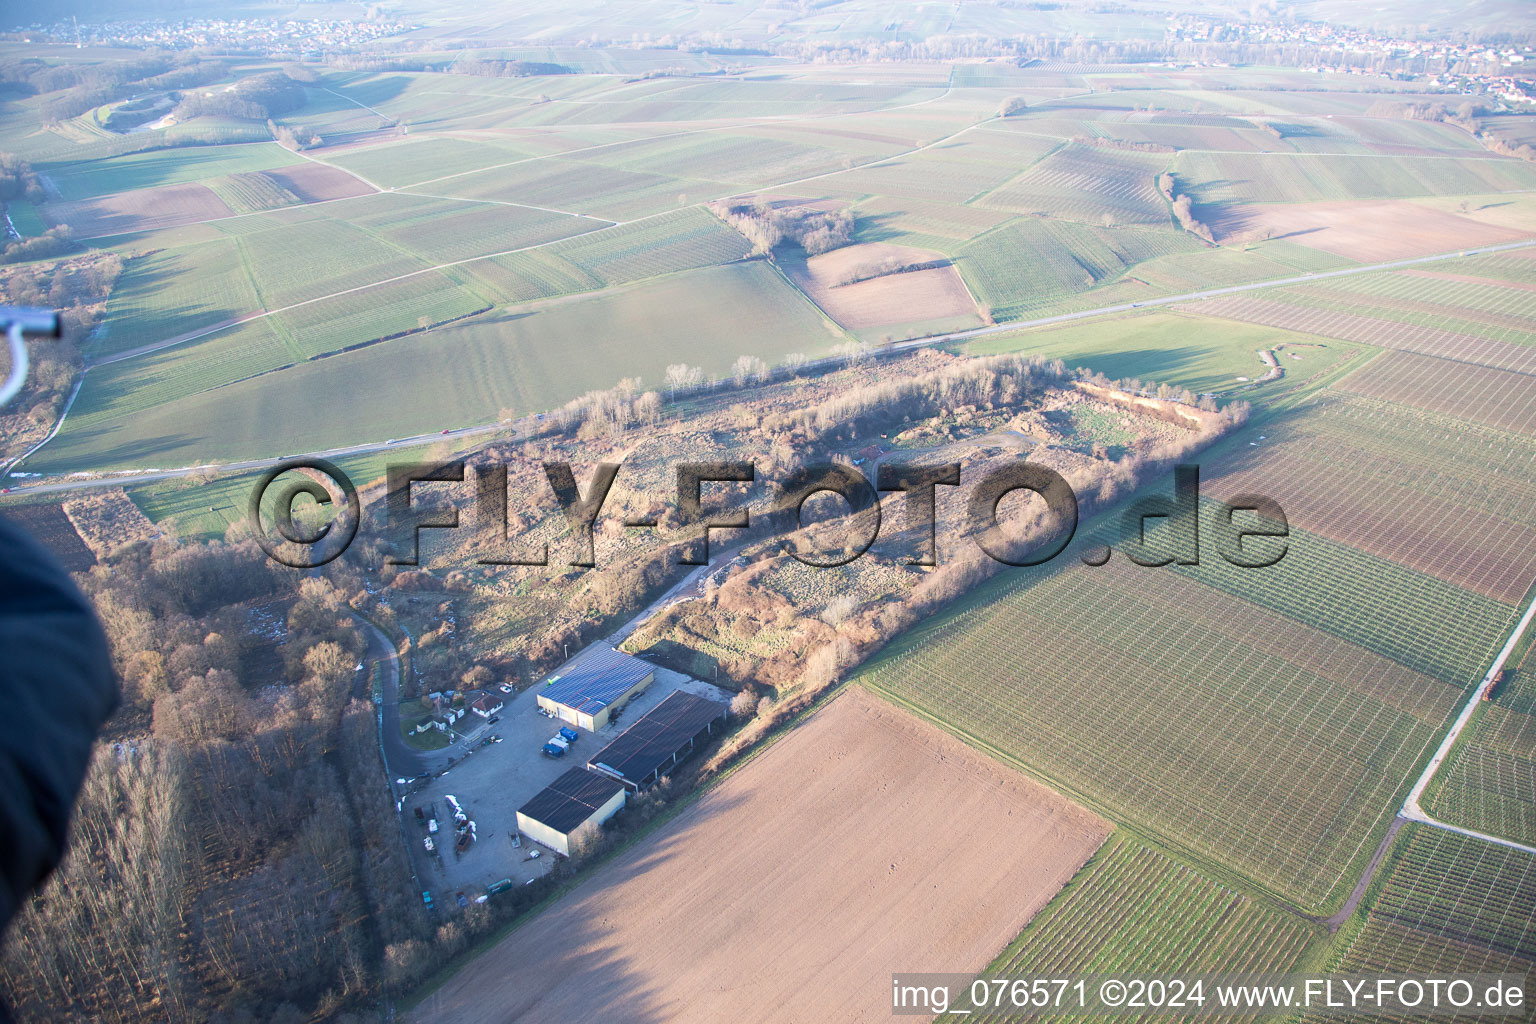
<point x="595" y="678"/>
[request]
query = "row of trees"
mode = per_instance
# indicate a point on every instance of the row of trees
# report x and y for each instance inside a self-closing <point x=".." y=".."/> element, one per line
<point x="78" y="288"/>
<point x="1183" y="208"/>
<point x="1004" y="380"/>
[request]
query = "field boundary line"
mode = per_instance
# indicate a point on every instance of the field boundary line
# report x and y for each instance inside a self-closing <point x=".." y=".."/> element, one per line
<point x="939" y="339"/>
<point x="503" y="202"/>
<point x="1213" y="868"/>
<point x="359" y="103"/>
<point x="749" y="122"/>
<point x="1411" y="808"/>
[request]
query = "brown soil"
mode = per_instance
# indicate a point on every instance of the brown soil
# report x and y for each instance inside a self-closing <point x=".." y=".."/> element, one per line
<point x="1370" y="232"/>
<point x="915" y="296"/>
<point x="313" y="182"/>
<point x="145" y="209"/>
<point x="865" y="842"/>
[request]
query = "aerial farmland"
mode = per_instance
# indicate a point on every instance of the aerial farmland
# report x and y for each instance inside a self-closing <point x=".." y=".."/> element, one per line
<point x="523" y="307"/>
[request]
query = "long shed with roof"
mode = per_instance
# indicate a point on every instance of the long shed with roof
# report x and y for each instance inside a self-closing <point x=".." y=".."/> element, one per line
<point x="659" y="739"/>
<point x="588" y="688"/>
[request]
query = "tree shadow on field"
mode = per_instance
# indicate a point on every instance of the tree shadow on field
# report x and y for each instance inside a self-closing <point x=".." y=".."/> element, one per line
<point x="125" y="455"/>
<point x="877" y="227"/>
<point x="579" y="960"/>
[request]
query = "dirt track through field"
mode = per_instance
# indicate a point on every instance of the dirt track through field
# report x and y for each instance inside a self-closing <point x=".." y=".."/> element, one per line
<point x="865" y="842"/>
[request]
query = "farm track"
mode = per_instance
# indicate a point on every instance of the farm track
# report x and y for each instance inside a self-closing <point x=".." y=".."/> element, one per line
<point x="941" y="339"/>
<point x="1411" y="809"/>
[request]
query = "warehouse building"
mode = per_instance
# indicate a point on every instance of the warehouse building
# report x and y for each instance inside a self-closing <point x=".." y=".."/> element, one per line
<point x="659" y="739"/>
<point x="562" y="807"/>
<point x="593" y="684"/>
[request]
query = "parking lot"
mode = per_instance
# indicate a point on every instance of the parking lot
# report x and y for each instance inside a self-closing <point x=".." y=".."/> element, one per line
<point x="492" y="781"/>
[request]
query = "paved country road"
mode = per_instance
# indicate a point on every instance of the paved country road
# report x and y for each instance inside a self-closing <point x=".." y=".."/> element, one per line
<point x="74" y="483"/>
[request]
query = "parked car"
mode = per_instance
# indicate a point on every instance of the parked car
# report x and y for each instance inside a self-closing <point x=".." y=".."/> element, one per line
<point x="494" y="719"/>
<point x="426" y="841"/>
<point x="505" y="687"/>
<point x="462" y="899"/>
<point x="426" y="897"/>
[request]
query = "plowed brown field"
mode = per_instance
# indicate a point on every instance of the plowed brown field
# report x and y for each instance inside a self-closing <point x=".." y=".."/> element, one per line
<point x="865" y="842"/>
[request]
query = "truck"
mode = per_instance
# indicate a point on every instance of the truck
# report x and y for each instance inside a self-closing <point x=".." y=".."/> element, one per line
<point x="568" y="734"/>
<point x="498" y="887"/>
<point x="458" y="812"/>
<point x="550" y="750"/>
<point x="426" y="898"/>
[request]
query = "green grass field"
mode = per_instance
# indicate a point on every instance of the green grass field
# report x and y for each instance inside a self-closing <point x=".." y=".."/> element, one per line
<point x="24" y="218"/>
<point x="205" y="509"/>
<point x="164" y="167"/>
<point x="170" y="292"/>
<point x="1133" y="910"/>
<point x="1204" y="355"/>
<point x="167" y="410"/>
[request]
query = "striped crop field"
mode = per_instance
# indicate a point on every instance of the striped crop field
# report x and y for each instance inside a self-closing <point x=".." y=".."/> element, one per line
<point x="1107" y="681"/>
<point x="1489" y="783"/>
<point x="167" y="409"/>
<point x="1088" y="183"/>
<point x="1428" y="298"/>
<point x="448" y="230"/>
<point x="574" y="186"/>
<point x="83" y="180"/>
<point x="1296" y="177"/>
<point x="1331" y="323"/>
<point x="1134" y="910"/>
<point x="404" y="162"/>
<point x="682" y="240"/>
<point x="954" y="171"/>
<point x="1441" y="496"/>
<point x="1449" y="904"/>
<point x="1492" y="398"/>
<point x="746" y="160"/>
<point x="1414" y="619"/>
<point x="174" y="291"/>
<point x="1029" y="262"/>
